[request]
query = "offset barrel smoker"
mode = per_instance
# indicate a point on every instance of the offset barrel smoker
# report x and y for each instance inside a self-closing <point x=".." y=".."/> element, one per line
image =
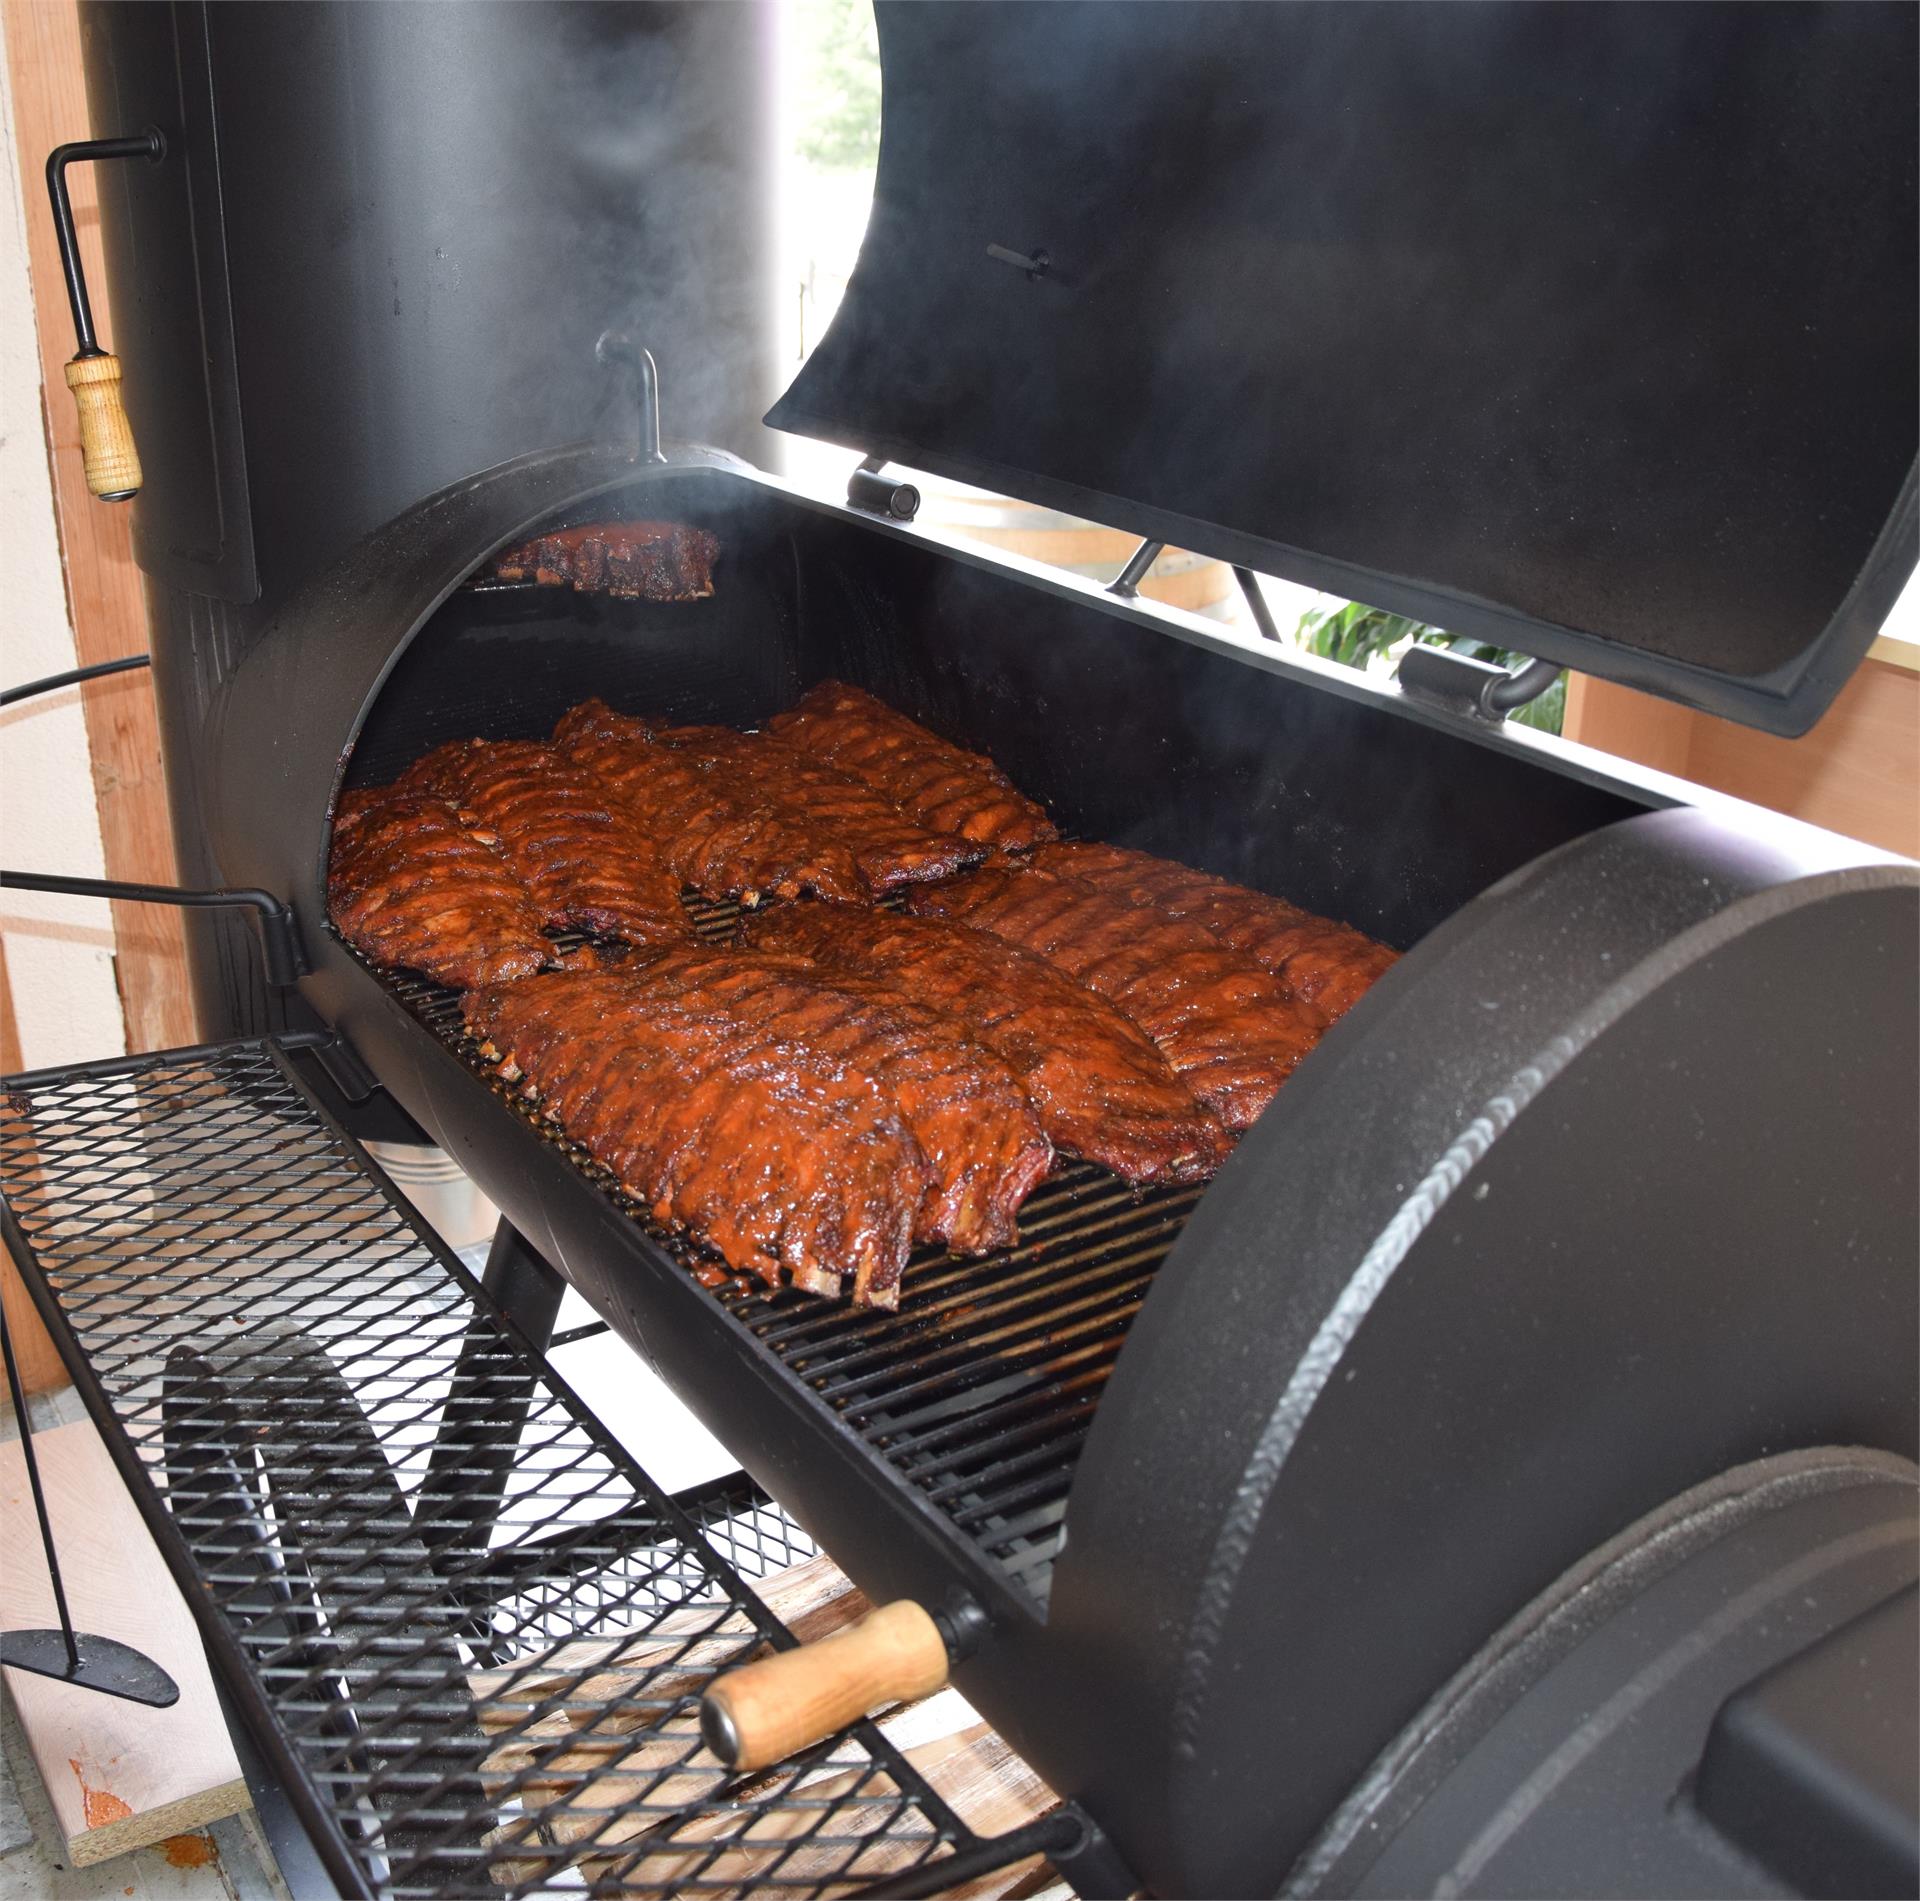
<point x="1425" y="1505"/>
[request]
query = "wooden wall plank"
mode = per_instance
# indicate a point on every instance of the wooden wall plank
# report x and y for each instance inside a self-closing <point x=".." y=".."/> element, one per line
<point x="1857" y="772"/>
<point x="105" y="596"/>
<point x="1636" y="726"/>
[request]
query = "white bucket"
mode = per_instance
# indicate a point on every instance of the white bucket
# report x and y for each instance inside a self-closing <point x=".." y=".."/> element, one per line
<point x="430" y="1178"/>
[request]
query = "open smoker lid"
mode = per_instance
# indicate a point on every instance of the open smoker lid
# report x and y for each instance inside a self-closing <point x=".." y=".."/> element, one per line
<point x="1591" y="330"/>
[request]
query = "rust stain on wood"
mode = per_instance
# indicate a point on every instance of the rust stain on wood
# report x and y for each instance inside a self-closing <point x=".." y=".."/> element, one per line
<point x="100" y="1806"/>
<point x="189" y="1851"/>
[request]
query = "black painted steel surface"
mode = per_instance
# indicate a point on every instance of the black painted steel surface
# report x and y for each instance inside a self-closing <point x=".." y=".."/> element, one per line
<point x="1608" y="1185"/>
<point x="1611" y="1185"/>
<point x="1590" y="330"/>
<point x="377" y="258"/>
<point x="1576" y="1752"/>
<point x="1672" y="1046"/>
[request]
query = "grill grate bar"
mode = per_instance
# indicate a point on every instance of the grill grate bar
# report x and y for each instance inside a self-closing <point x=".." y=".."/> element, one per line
<point x="981" y="1388"/>
<point x="1000" y="1329"/>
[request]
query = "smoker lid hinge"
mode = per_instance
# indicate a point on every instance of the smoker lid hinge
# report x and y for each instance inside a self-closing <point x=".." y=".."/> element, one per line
<point x="881" y="494"/>
<point x="1477" y="688"/>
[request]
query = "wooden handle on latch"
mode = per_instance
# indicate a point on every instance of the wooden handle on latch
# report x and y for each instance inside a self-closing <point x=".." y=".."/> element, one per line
<point x="106" y="436"/>
<point x="771" y="1709"/>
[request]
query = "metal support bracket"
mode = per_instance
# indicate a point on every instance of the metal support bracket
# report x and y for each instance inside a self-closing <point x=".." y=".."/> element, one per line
<point x="1257" y="603"/>
<point x="1477" y="688"/>
<point x="282" y="953"/>
<point x="1126" y="583"/>
<point x="881" y="494"/>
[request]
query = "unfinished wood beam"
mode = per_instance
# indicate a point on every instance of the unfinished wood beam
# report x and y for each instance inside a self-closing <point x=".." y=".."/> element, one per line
<point x="105" y="598"/>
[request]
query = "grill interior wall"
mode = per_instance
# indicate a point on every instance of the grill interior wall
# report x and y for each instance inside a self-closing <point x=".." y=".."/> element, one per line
<point x="1125" y="734"/>
<point x="980" y="1392"/>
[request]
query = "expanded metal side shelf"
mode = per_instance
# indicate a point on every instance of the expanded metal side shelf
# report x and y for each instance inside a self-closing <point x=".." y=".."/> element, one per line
<point x="464" y="1629"/>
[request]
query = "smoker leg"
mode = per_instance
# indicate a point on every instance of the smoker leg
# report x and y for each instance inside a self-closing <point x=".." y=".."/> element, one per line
<point x="527" y="1289"/>
<point x="1092" y="1866"/>
<point x="486" y="1408"/>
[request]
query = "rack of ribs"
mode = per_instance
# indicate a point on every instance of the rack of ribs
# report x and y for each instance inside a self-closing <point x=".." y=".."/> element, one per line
<point x="890" y="848"/>
<point x="778" y="1156"/>
<point x="1101" y="1088"/>
<point x="1228" y="1028"/>
<point x="963" y="1106"/>
<point x="943" y="786"/>
<point x="409" y="884"/>
<point x="721" y="841"/>
<point x="587" y="864"/>
<point x="630" y="560"/>
<point x="1328" y="965"/>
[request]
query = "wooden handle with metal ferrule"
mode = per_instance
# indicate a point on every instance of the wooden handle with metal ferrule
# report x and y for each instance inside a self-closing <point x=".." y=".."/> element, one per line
<point x="771" y="1709"/>
<point x="106" y="436"/>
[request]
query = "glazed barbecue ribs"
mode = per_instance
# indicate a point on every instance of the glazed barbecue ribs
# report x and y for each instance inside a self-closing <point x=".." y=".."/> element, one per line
<point x="1329" y="966"/>
<point x="409" y="884"/>
<point x="631" y="560"/>
<point x="974" y="1125"/>
<point x="777" y="1156"/>
<point x="1228" y="1028"/>
<point x="761" y="1103"/>
<point x="586" y="863"/>
<point x="722" y="840"/>
<point x="1101" y="1088"/>
<point x="942" y="786"/>
<point x="890" y="848"/>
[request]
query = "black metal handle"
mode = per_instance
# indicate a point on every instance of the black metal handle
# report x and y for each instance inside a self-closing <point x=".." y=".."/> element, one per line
<point x="281" y="951"/>
<point x="72" y="677"/>
<point x="622" y="349"/>
<point x="148" y="145"/>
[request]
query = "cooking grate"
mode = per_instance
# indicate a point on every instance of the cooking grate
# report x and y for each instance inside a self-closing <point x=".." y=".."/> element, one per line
<point x="981" y="1388"/>
<point x="466" y="1630"/>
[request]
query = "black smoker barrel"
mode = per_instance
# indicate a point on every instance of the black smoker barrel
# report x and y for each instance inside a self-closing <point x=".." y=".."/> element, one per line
<point x="378" y="257"/>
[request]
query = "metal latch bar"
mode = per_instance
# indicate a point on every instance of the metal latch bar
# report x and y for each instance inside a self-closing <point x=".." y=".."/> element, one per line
<point x="1257" y="603"/>
<point x="1126" y="583"/>
<point x="282" y="953"/>
<point x="73" y="677"/>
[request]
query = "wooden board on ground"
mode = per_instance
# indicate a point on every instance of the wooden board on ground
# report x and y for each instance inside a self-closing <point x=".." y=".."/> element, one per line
<point x="596" y="1750"/>
<point x="118" y="1776"/>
